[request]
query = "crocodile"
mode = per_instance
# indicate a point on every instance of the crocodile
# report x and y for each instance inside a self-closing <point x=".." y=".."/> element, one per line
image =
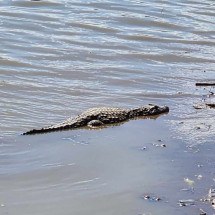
<point x="98" y="117"/>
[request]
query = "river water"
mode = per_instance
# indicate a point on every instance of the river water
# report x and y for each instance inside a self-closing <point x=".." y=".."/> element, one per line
<point x="59" y="58"/>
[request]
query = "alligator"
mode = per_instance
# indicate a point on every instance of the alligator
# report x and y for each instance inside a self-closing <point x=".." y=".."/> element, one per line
<point x="98" y="117"/>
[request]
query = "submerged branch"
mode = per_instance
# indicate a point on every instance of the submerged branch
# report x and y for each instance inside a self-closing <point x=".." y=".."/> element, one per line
<point x="205" y="84"/>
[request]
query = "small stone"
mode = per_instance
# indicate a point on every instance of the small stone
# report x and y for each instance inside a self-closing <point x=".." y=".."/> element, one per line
<point x="199" y="177"/>
<point x="146" y="197"/>
<point x="182" y="204"/>
<point x="143" y="148"/>
<point x="163" y="145"/>
<point x="202" y="212"/>
<point x="157" y="199"/>
<point x="152" y="198"/>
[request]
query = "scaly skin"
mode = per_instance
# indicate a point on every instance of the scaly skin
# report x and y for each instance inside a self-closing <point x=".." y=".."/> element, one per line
<point x="96" y="117"/>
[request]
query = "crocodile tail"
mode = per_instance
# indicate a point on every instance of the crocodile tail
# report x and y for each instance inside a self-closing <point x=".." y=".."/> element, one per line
<point x="40" y="131"/>
<point x="58" y="127"/>
<point x="46" y="130"/>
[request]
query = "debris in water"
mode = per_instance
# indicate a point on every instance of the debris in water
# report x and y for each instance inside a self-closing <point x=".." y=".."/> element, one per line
<point x="159" y="145"/>
<point x="199" y="177"/>
<point x="186" y="202"/>
<point x="189" y="182"/>
<point x="202" y="212"/>
<point x="204" y="105"/>
<point x="188" y="189"/>
<point x="211" y="105"/>
<point x="199" y="106"/>
<point x="143" y="148"/>
<point x="211" y="196"/>
<point x="205" y="84"/>
<point x="151" y="198"/>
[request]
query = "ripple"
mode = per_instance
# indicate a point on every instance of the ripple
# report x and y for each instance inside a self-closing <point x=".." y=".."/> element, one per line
<point x="61" y="57"/>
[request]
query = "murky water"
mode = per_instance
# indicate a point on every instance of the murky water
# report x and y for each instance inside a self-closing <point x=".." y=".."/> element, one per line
<point x="59" y="58"/>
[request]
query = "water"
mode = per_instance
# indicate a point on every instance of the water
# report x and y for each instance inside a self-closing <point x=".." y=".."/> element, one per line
<point x="59" y="58"/>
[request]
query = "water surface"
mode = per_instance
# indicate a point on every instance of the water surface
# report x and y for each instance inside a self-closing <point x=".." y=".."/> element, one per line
<point x="59" y="58"/>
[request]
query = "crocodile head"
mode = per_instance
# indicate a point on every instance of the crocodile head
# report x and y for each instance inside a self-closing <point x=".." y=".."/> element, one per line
<point x="148" y="110"/>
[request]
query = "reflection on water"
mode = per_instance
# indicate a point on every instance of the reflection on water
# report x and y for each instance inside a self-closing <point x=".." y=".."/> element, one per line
<point x="58" y="58"/>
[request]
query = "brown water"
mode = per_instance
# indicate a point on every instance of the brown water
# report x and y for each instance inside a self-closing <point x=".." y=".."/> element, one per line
<point x="61" y="57"/>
